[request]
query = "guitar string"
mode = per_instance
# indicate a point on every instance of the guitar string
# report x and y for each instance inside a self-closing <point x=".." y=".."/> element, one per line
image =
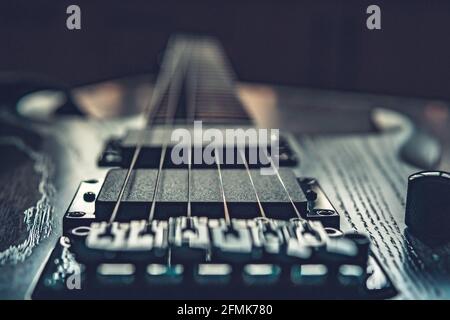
<point x="192" y="114"/>
<point x="216" y="153"/>
<point x="222" y="190"/>
<point x="261" y="209"/>
<point x="192" y="104"/>
<point x="280" y="180"/>
<point x="299" y="217"/>
<point x="168" y="67"/>
<point x="172" y="105"/>
<point x="194" y="78"/>
<point x="218" y="161"/>
<point x="226" y="212"/>
<point x="275" y="168"/>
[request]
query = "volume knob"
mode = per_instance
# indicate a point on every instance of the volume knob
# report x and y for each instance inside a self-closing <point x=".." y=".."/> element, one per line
<point x="428" y="206"/>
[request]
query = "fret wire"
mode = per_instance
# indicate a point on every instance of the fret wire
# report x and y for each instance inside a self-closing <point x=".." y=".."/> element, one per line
<point x="216" y="84"/>
<point x="261" y="209"/>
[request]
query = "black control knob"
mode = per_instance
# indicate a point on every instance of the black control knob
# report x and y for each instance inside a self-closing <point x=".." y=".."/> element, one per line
<point x="428" y="206"/>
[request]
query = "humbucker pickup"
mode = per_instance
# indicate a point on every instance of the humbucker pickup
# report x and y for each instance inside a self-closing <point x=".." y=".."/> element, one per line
<point x="119" y="152"/>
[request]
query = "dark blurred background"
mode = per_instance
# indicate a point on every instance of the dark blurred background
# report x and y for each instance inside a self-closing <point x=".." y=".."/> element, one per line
<point x="308" y="43"/>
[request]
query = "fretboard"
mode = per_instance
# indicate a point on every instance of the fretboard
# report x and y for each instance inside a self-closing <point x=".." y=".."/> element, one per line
<point x="208" y="85"/>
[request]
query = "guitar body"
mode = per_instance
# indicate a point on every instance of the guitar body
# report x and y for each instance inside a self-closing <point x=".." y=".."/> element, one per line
<point x="361" y="174"/>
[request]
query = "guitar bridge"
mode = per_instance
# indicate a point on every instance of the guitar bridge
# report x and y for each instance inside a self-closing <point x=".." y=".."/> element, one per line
<point x="209" y="257"/>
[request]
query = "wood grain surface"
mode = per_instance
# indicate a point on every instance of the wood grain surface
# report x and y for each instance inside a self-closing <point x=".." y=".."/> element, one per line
<point x="366" y="181"/>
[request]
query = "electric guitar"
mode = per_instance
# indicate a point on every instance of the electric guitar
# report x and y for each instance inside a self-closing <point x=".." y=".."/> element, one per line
<point x="198" y="196"/>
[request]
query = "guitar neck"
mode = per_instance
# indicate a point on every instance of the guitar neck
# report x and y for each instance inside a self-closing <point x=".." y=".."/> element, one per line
<point x="207" y="85"/>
